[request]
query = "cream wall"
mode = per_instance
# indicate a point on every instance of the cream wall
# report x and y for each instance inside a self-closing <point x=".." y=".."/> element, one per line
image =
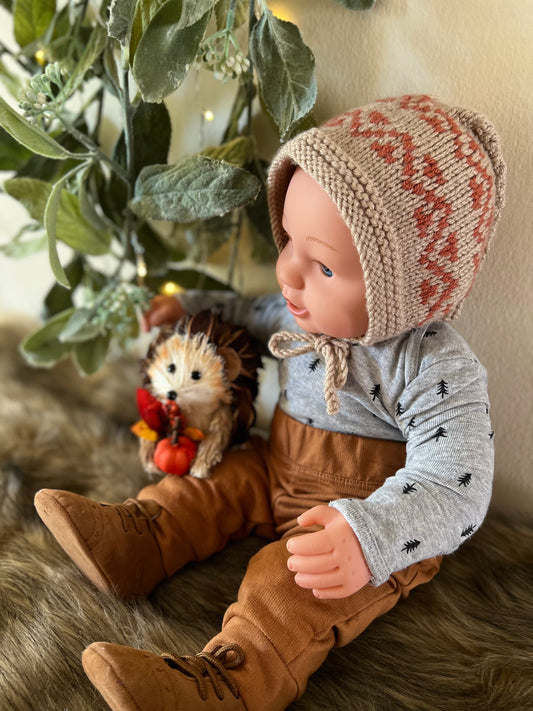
<point x="478" y="54"/>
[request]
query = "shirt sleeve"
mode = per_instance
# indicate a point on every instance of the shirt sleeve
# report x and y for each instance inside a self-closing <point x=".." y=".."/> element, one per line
<point x="441" y="496"/>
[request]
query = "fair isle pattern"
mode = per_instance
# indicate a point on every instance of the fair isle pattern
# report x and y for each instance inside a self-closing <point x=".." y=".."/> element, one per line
<point x="420" y="186"/>
<point x="427" y="178"/>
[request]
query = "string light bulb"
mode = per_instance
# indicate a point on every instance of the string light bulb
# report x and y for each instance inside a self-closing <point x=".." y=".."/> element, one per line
<point x="142" y="270"/>
<point x="169" y="288"/>
<point x="40" y="57"/>
<point x="209" y="115"/>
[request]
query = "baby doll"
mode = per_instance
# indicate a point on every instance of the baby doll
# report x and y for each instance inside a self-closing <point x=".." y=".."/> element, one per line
<point x="380" y="454"/>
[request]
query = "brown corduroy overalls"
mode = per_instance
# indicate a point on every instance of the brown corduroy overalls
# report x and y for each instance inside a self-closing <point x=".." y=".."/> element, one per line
<point x="285" y="632"/>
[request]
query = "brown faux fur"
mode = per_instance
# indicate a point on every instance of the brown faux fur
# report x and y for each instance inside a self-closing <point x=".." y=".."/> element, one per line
<point x="464" y="641"/>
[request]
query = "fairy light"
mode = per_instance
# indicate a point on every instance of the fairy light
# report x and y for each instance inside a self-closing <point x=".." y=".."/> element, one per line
<point x="169" y="288"/>
<point x="209" y="115"/>
<point x="142" y="271"/>
<point x="40" y="57"/>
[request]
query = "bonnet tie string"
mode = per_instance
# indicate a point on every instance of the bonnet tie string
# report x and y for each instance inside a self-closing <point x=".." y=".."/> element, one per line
<point x="335" y="352"/>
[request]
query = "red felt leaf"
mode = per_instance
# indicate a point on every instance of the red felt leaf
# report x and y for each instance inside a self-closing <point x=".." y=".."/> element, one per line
<point x="151" y="411"/>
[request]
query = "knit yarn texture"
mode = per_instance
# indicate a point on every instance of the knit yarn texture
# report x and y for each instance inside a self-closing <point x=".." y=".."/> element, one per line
<point x="420" y="186"/>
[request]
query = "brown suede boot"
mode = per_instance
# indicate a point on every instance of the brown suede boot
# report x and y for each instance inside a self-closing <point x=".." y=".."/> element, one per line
<point x="132" y="680"/>
<point x="114" y="545"/>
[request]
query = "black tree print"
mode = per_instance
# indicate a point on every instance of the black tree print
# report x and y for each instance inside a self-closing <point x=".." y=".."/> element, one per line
<point x="411" y="425"/>
<point x="465" y="479"/>
<point x="442" y="389"/>
<point x="441" y="432"/>
<point x="468" y="531"/>
<point x="399" y="409"/>
<point x="410" y="546"/>
<point x="408" y="489"/>
<point x="429" y="334"/>
<point x="313" y="365"/>
<point x="375" y="392"/>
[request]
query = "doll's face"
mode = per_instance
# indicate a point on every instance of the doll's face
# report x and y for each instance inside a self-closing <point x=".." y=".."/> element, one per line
<point x="318" y="270"/>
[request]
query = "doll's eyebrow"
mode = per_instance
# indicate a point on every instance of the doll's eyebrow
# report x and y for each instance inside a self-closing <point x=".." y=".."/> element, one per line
<point x="324" y="244"/>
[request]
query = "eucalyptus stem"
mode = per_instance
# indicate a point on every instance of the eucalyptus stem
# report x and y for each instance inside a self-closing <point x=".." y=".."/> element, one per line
<point x="91" y="146"/>
<point x="250" y="81"/>
<point x="230" y="21"/>
<point x="128" y="131"/>
<point x="131" y="236"/>
<point x="235" y="248"/>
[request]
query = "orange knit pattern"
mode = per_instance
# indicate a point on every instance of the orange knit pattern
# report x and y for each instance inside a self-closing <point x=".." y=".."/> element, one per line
<point x="420" y="186"/>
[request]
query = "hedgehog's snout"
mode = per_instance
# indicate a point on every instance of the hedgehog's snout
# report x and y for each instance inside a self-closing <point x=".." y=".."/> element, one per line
<point x="172" y="395"/>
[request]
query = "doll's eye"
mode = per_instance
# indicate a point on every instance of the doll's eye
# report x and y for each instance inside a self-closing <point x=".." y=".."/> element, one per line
<point x="196" y="375"/>
<point x="326" y="270"/>
<point x="171" y="368"/>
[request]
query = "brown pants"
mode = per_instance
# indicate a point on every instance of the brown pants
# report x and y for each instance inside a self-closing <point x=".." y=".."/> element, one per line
<point x="285" y="631"/>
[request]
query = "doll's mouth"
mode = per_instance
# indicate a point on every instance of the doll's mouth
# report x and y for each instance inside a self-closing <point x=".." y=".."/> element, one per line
<point x="295" y="311"/>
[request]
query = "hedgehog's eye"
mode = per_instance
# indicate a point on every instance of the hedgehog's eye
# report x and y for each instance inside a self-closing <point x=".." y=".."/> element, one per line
<point x="171" y="368"/>
<point x="196" y="375"/>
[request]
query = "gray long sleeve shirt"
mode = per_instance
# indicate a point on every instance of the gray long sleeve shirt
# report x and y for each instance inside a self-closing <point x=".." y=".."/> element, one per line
<point x="424" y="387"/>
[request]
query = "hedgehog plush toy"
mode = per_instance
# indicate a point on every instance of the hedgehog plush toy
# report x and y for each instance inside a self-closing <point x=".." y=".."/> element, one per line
<point x="200" y="382"/>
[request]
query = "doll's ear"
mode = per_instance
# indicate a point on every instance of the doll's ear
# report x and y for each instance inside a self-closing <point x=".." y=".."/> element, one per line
<point x="232" y="362"/>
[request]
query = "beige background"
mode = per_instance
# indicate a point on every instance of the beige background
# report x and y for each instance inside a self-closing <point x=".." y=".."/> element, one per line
<point x="477" y="54"/>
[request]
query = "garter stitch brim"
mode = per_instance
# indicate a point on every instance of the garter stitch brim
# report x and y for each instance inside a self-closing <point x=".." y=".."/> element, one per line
<point x="420" y="186"/>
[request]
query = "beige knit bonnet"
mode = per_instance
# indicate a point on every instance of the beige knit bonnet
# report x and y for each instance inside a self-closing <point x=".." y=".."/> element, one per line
<point x="420" y="186"/>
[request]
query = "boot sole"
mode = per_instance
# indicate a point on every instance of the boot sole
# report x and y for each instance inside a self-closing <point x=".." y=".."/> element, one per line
<point x="58" y="521"/>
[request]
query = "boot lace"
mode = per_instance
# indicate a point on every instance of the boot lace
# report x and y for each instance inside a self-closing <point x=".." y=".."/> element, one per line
<point x="210" y="667"/>
<point x="133" y="512"/>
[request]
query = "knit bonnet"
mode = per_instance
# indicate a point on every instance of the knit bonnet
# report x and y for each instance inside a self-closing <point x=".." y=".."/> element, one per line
<point x="420" y="185"/>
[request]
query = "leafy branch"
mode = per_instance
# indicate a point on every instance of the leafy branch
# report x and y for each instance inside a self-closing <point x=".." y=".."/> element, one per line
<point x="91" y="207"/>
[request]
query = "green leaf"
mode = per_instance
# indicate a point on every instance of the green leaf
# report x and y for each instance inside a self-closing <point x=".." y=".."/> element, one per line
<point x="32" y="136"/>
<point x="71" y="227"/>
<point x="241" y="13"/>
<point x="90" y="355"/>
<point x="79" y="328"/>
<point x="31" y="19"/>
<point x="195" y="188"/>
<point x="50" y="224"/>
<point x="12" y="154"/>
<point x="144" y="12"/>
<point x="43" y="347"/>
<point x="121" y="14"/>
<point x="87" y="203"/>
<point x="11" y="82"/>
<point x="59" y="298"/>
<point x="285" y="71"/>
<point x="94" y="48"/>
<point x="19" y="248"/>
<point x="237" y="152"/>
<point x="151" y="136"/>
<point x="194" y="10"/>
<point x="166" y="51"/>
<point x="357" y="4"/>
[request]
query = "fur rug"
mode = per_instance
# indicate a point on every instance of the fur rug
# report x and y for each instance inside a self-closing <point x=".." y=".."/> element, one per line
<point x="464" y="641"/>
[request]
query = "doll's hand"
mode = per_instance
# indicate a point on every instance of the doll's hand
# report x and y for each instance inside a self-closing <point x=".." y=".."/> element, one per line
<point x="329" y="562"/>
<point x="163" y="310"/>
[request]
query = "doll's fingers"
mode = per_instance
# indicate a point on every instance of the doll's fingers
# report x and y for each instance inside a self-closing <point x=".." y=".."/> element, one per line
<point x="311" y="563"/>
<point x="319" y="581"/>
<point x="320" y="514"/>
<point x="317" y="543"/>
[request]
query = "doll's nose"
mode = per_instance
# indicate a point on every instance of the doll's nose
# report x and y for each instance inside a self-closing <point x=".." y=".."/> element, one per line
<point x="288" y="272"/>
